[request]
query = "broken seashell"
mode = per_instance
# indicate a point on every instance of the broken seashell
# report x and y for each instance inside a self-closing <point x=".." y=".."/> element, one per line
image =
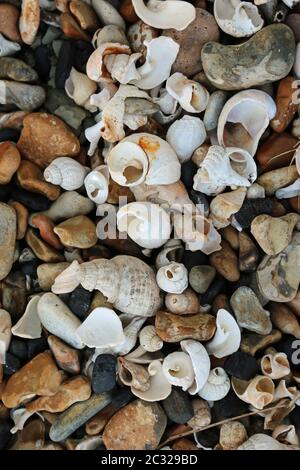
<point x="192" y="96"/>
<point x="149" y="339"/>
<point x="133" y="375"/>
<point x="160" y="388"/>
<point x="5" y="333"/>
<point x="282" y="391"/>
<point x="258" y="392"/>
<point x="182" y="304"/>
<point x="165" y="14"/>
<point x="95" y="68"/>
<point x="29" y="21"/>
<point x="127" y="282"/>
<point x="237" y="18"/>
<point x="217" y="385"/>
<point x="227" y="338"/>
<point x="178" y="370"/>
<point x="286" y="434"/>
<point x="132" y="326"/>
<point x="122" y="67"/>
<point x="65" y="172"/>
<point x="275" y="366"/>
<point x="172" y="278"/>
<point x="147" y="224"/>
<point x="200" y="361"/>
<point x="263" y="442"/>
<point x="80" y="87"/>
<point x="171" y="251"/>
<point x="96" y="184"/>
<point x="244" y="118"/>
<point x="224" y="205"/>
<point x="202" y="414"/>
<point x="8" y="48"/>
<point x="141" y="356"/>
<point x="29" y="325"/>
<point x="292" y="190"/>
<point x="185" y="135"/>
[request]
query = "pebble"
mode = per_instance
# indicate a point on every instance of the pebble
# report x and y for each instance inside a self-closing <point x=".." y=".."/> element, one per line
<point x="22" y="95"/>
<point x="71" y="28"/>
<point x="137" y="426"/>
<point x="188" y="170"/>
<point x="252" y="342"/>
<point x="9" y="19"/>
<point x="241" y="365"/>
<point x="10" y="160"/>
<point x="208" y="438"/>
<point x="173" y="328"/>
<point x="29" y="20"/>
<point x="276" y="179"/>
<point x="267" y="57"/>
<point x="9" y="134"/>
<point x="45" y="137"/>
<point x="42" y="250"/>
<point x="69" y="204"/>
<point x="293" y="21"/>
<point x="22" y="219"/>
<point x="77" y="232"/>
<point x="191" y="40"/>
<point x="46" y="226"/>
<point x="40" y="376"/>
<point x="276" y="151"/>
<point x="184" y="445"/>
<point x="178" y="406"/>
<point x="66" y="357"/>
<point x="232" y="435"/>
<point x="248" y="253"/>
<point x="14" y="294"/>
<point x="217" y="286"/>
<point x="201" y="277"/>
<point x="16" y="69"/>
<point x="249" y="312"/>
<point x="225" y="261"/>
<point x="65" y="62"/>
<point x="213" y="109"/>
<point x="35" y="346"/>
<point x="229" y="407"/>
<point x="107" y="13"/>
<point x="251" y="208"/>
<point x="79" y="302"/>
<point x="286" y="105"/>
<point x="5" y="434"/>
<point x="104" y="373"/>
<point x="30" y="200"/>
<point x="30" y="177"/>
<point x="12" y="364"/>
<point x="85" y="15"/>
<point x="193" y="258"/>
<point x="18" y="348"/>
<point x="47" y="272"/>
<point x="8" y="229"/>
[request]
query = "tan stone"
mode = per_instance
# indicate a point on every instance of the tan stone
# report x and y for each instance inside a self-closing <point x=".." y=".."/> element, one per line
<point x="184" y="444"/>
<point x="84" y="14"/>
<point x="8" y="228"/>
<point x="174" y="328"/>
<point x="279" y="178"/>
<point x="286" y="105"/>
<point x="30" y="176"/>
<point x="10" y="160"/>
<point x="9" y="19"/>
<point x="77" y="232"/>
<point x="22" y="218"/>
<point x="47" y="272"/>
<point x="252" y="342"/>
<point x="71" y="28"/>
<point x="226" y="262"/>
<point x="66" y="357"/>
<point x="45" y="137"/>
<point x="41" y="249"/>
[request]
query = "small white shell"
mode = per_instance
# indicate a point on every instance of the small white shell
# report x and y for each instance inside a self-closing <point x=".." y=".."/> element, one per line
<point x="161" y="54"/>
<point x="252" y="110"/>
<point x="239" y="19"/>
<point x="264" y="442"/>
<point x="29" y="325"/>
<point x="185" y="135"/>
<point x="128" y="164"/>
<point x="96" y="184"/>
<point x="258" y="392"/>
<point x="275" y="366"/>
<point x="108" y="90"/>
<point x="217" y="385"/>
<point x="165" y="14"/>
<point x="160" y="388"/>
<point x="20" y="416"/>
<point x="122" y="67"/>
<point x="93" y="136"/>
<point x="66" y="173"/>
<point x="201" y="363"/>
<point x="192" y="96"/>
<point x="101" y="329"/>
<point x="8" y="48"/>
<point x="80" y="87"/>
<point x="5" y="333"/>
<point x="149" y="340"/>
<point x="178" y="370"/>
<point x="147" y="224"/>
<point x="165" y="101"/>
<point x="173" y="278"/>
<point x="132" y="326"/>
<point x="227" y="338"/>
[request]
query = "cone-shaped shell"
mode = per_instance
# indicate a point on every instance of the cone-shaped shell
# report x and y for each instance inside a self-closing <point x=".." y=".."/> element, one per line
<point x="165" y="14"/>
<point x="217" y="385"/>
<point x="227" y="338"/>
<point x="66" y="172"/>
<point x="192" y="96"/>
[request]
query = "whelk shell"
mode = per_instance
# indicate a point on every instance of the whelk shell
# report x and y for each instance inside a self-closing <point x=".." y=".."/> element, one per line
<point x="275" y="366"/>
<point x="165" y="14"/>
<point x="192" y="96"/>
<point x="96" y="184"/>
<point x="172" y="278"/>
<point x="185" y="135"/>
<point x="133" y="375"/>
<point x="239" y="19"/>
<point x="217" y="385"/>
<point x="258" y="392"/>
<point x="80" y="87"/>
<point x="5" y="333"/>
<point x="286" y="434"/>
<point x="159" y="388"/>
<point x="200" y="361"/>
<point x="178" y="370"/>
<point x="95" y="67"/>
<point x="149" y="339"/>
<point x="172" y="251"/>
<point x="227" y="338"/>
<point x="66" y="172"/>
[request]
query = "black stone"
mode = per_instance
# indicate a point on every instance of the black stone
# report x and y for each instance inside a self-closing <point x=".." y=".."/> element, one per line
<point x="42" y="62"/>
<point x="35" y="202"/>
<point x="241" y="365"/>
<point x="121" y="397"/>
<point x="251" y="209"/>
<point x="217" y="287"/>
<point x="30" y="267"/>
<point x="188" y="170"/>
<point x="83" y="51"/>
<point x="12" y="364"/>
<point x="65" y="62"/>
<point x="229" y="407"/>
<point x="295" y="417"/>
<point x="5" y="191"/>
<point x="36" y="346"/>
<point x="18" y="348"/>
<point x="9" y="134"/>
<point x="200" y="199"/>
<point x="5" y="434"/>
<point x="79" y="433"/>
<point x="104" y="373"/>
<point x="80" y="301"/>
<point x="193" y="258"/>
<point x="290" y="346"/>
<point x="208" y="438"/>
<point x="178" y="406"/>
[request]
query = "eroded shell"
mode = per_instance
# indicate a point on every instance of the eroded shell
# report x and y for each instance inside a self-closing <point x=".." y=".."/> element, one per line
<point x="29" y="325"/>
<point x="95" y="67"/>
<point x="160" y="388"/>
<point x="264" y="442"/>
<point x="185" y="303"/>
<point x="227" y="338"/>
<point x="237" y="18"/>
<point x="66" y="173"/>
<point x="165" y="14"/>
<point x="258" y="392"/>
<point x="133" y="375"/>
<point x="200" y="361"/>
<point x="185" y="135"/>
<point x="5" y="333"/>
<point x="122" y="67"/>
<point x="149" y="339"/>
<point x="191" y="95"/>
<point x="217" y="385"/>
<point x="275" y="366"/>
<point x="96" y="184"/>
<point x="172" y="278"/>
<point x="286" y="434"/>
<point x="80" y="87"/>
<point x="178" y="369"/>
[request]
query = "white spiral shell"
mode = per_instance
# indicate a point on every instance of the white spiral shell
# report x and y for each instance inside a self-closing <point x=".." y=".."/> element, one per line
<point x="178" y="370"/>
<point x="66" y="173"/>
<point x="258" y="392"/>
<point x="149" y="340"/>
<point x="160" y="388"/>
<point x="185" y="135"/>
<point x="173" y="278"/>
<point x="96" y="184"/>
<point x="217" y="385"/>
<point x="227" y="338"/>
<point x="201" y="363"/>
<point x="275" y="366"/>
<point x="192" y="96"/>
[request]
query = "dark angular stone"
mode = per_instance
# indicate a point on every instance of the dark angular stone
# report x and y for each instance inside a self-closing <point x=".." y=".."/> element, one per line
<point x="65" y="62"/>
<point x="80" y="301"/>
<point x="229" y="407"/>
<point x="188" y="169"/>
<point x="42" y="62"/>
<point x="121" y="397"/>
<point x="193" y="258"/>
<point x="5" y="434"/>
<point x="12" y="364"/>
<point x="9" y="134"/>
<point x="178" y="406"/>
<point x="217" y="286"/>
<point x="18" y="348"/>
<point x="241" y="365"/>
<point x="104" y="373"/>
<point x="36" y="346"/>
<point x="252" y="208"/>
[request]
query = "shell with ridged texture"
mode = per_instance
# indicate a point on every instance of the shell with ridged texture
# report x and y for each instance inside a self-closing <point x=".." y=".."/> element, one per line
<point x="66" y="173"/>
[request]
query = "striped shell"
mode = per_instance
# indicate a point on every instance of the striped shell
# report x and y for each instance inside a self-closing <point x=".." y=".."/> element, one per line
<point x="66" y="173"/>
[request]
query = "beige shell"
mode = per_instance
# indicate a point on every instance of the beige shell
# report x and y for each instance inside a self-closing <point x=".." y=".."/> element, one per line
<point x="264" y="442"/>
<point x="143" y="157"/>
<point x="132" y="326"/>
<point x="185" y="303"/>
<point x="127" y="282"/>
<point x="141" y="356"/>
<point x="172" y="278"/>
<point x="217" y="385"/>
<point x="66" y="173"/>
<point x="80" y="87"/>
<point x="100" y="100"/>
<point x="292" y="190"/>
<point x="200" y="361"/>
<point x="29" y="325"/>
<point x="185" y="135"/>
<point x="192" y="96"/>
<point x="286" y="434"/>
<point x="122" y="67"/>
<point x="29" y="21"/>
<point x="258" y="392"/>
<point x="133" y="375"/>
<point x="223" y="167"/>
<point x="178" y="370"/>
<point x="96" y="184"/>
<point x="171" y="251"/>
<point x="224" y="205"/>
<point x="237" y="18"/>
<point x="165" y="14"/>
<point x="227" y="338"/>
<point x="5" y="333"/>
<point x="172" y="196"/>
<point x="149" y="339"/>
<point x="283" y="391"/>
<point x="8" y="48"/>
<point x="95" y="67"/>
<point x="202" y="414"/>
<point x="251" y="112"/>
<point x="160" y="388"/>
<point x="275" y="366"/>
<point x="147" y="224"/>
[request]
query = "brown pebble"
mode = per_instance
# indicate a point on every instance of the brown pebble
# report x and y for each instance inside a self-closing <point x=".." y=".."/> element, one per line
<point x="47" y="272"/>
<point x="137" y="426"/>
<point x="31" y="437"/>
<point x="77" y="232"/>
<point x="285" y="104"/>
<point x="115" y="191"/>
<point x="226" y="262"/>
<point x="45" y="137"/>
<point x="276" y="179"/>
<point x="97" y="423"/>
<point x="10" y="160"/>
<point x="220" y="301"/>
<point x="13" y="120"/>
<point x="22" y="218"/>
<point x="40" y="377"/>
<point x="232" y="435"/>
<point x="84" y="14"/>
<point x="276" y="151"/>
<point x="295" y="203"/>
<point x="231" y="235"/>
<point x="252" y="342"/>
<point x="71" y="28"/>
<point x="29" y="177"/>
<point x="127" y="11"/>
<point x="284" y="319"/>
<point x="9" y="22"/>
<point x="184" y="444"/>
<point x="66" y="357"/>
<point x="248" y="253"/>
<point x="41" y="249"/>
<point x="29" y="20"/>
<point x="173" y="328"/>
<point x="46" y="226"/>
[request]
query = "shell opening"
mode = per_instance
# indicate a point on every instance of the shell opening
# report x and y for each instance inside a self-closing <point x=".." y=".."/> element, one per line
<point x="133" y="173"/>
<point x="265" y="385"/>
